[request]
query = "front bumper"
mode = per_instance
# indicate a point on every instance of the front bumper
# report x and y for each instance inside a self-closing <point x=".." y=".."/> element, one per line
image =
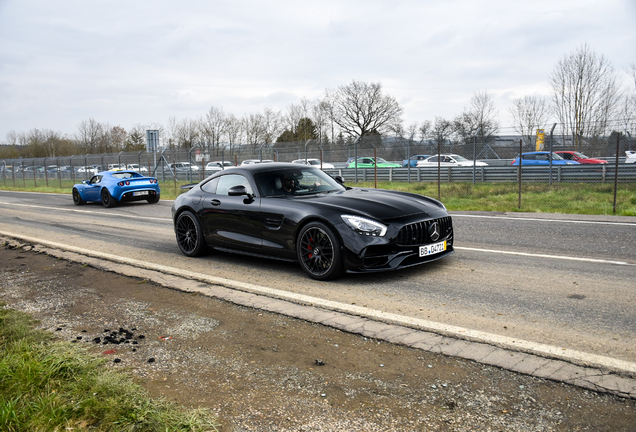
<point x="395" y="250"/>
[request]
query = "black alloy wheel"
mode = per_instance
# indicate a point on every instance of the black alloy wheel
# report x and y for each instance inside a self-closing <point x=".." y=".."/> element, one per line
<point x="319" y="252"/>
<point x="154" y="199"/>
<point x="107" y="199"/>
<point x="77" y="198"/>
<point x="189" y="235"/>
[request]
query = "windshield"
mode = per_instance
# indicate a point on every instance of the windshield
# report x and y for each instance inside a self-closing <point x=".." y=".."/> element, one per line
<point x="303" y="180"/>
<point x="556" y="156"/>
<point x="459" y="158"/>
<point x="380" y="160"/>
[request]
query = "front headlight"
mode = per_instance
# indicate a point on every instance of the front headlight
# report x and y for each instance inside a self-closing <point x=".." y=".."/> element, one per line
<point x="364" y="226"/>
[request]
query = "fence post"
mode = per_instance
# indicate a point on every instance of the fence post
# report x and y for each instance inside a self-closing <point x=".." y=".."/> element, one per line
<point x="618" y="140"/>
<point x="519" y="171"/>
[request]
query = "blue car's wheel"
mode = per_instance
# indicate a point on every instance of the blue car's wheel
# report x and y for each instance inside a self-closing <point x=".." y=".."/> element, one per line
<point x="77" y="198"/>
<point x="154" y="199"/>
<point x="319" y="252"/>
<point x="189" y="235"/>
<point x="107" y="199"/>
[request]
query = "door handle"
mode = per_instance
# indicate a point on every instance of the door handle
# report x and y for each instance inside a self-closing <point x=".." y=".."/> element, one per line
<point x="215" y="202"/>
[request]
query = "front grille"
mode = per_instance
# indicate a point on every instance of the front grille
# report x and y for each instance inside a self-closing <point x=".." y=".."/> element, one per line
<point x="417" y="233"/>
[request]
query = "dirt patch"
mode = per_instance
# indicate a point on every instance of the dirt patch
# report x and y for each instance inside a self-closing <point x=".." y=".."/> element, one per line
<point x="265" y="372"/>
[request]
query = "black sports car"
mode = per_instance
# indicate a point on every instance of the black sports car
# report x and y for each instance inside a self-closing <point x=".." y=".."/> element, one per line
<point x="298" y="213"/>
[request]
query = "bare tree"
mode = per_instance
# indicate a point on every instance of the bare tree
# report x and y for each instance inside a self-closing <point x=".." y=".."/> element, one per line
<point x="362" y="109"/>
<point x="183" y="133"/>
<point x="89" y="135"/>
<point x="233" y="130"/>
<point x="272" y="125"/>
<point x="585" y="94"/>
<point x="253" y="129"/>
<point x="480" y="119"/>
<point x="442" y="131"/>
<point x="213" y="128"/>
<point x="425" y="130"/>
<point x="529" y="113"/>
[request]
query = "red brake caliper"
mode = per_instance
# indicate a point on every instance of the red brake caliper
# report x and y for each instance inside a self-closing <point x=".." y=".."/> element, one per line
<point x="309" y="247"/>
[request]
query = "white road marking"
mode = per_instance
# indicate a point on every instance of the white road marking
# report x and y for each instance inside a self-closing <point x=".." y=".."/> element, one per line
<point x="545" y="220"/>
<point x="561" y="257"/>
<point x="100" y="213"/>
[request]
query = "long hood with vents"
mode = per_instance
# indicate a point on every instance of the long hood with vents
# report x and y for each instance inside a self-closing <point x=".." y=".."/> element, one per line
<point x="378" y="204"/>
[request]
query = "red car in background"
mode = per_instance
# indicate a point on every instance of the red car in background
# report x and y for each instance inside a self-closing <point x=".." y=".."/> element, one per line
<point x="579" y="157"/>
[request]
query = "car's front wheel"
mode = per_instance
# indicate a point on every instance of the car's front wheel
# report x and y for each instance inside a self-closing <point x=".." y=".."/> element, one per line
<point x="319" y="252"/>
<point x="189" y="234"/>
<point x="107" y="199"/>
<point x="77" y="198"/>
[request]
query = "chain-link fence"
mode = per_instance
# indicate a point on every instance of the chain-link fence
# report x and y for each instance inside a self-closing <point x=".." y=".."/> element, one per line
<point x="396" y="158"/>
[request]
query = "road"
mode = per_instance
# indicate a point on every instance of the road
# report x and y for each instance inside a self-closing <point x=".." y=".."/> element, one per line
<point x="560" y="280"/>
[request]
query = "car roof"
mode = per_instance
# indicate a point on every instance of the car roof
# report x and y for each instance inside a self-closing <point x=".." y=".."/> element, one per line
<point x="265" y="167"/>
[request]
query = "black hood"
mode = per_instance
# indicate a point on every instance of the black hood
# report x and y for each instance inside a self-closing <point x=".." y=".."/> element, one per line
<point x="378" y="204"/>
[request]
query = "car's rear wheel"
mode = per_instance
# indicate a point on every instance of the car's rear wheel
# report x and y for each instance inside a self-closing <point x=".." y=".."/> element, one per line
<point x="319" y="252"/>
<point x="77" y="198"/>
<point x="189" y="234"/>
<point x="107" y="199"/>
<point x="154" y="199"/>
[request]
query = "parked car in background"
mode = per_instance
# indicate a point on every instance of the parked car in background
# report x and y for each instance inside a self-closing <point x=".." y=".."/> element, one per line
<point x="183" y="166"/>
<point x="218" y="165"/>
<point x="313" y="162"/>
<point x="136" y="167"/>
<point x="31" y="169"/>
<point x="255" y="161"/>
<point x="542" y="158"/>
<point x="116" y="166"/>
<point x="90" y="169"/>
<point x="113" y="187"/>
<point x="630" y="156"/>
<point x="579" y="157"/>
<point x="369" y="162"/>
<point x="449" y="160"/>
<point x="413" y="160"/>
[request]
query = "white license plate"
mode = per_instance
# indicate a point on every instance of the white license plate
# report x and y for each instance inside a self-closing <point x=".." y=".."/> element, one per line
<point x="140" y="193"/>
<point x="432" y="249"/>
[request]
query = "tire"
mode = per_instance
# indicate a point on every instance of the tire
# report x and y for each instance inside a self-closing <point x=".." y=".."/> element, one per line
<point x="190" y="235"/>
<point x="154" y="199"/>
<point x="77" y="198"/>
<point x="319" y="252"/>
<point x="107" y="199"/>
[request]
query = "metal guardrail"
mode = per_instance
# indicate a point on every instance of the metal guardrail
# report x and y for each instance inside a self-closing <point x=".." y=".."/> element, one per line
<point x="577" y="173"/>
<point x="506" y="173"/>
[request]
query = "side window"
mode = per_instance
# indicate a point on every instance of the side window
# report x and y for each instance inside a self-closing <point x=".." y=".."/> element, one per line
<point x="210" y="187"/>
<point x="96" y="179"/>
<point x="433" y="159"/>
<point x="228" y="181"/>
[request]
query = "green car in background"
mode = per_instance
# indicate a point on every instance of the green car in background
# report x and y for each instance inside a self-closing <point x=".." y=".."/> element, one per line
<point x="369" y="162"/>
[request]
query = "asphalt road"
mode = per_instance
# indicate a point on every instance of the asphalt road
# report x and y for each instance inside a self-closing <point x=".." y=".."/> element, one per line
<point x="563" y="280"/>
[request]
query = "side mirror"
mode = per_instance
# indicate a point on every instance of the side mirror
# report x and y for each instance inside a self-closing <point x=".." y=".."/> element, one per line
<point x="85" y="182"/>
<point x="339" y="179"/>
<point x="237" y="191"/>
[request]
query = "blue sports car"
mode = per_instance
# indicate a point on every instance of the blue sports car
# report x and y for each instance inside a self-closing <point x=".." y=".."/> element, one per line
<point x="112" y="187"/>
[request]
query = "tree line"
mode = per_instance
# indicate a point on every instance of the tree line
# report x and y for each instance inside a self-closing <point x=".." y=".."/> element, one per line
<point x="586" y="99"/>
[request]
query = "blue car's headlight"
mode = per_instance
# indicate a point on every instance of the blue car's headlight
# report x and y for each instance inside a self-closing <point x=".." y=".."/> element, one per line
<point x="364" y="226"/>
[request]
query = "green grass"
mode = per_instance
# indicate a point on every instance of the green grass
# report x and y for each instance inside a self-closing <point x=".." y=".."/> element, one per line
<point x="566" y="198"/>
<point x="47" y="385"/>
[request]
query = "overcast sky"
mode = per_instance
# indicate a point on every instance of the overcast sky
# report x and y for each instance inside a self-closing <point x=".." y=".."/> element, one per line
<point x="138" y="62"/>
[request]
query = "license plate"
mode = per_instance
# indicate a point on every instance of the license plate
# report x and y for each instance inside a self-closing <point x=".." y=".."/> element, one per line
<point x="432" y="249"/>
<point x="140" y="193"/>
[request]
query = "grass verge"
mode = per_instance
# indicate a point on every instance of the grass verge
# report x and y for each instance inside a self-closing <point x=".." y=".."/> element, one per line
<point x="566" y="198"/>
<point x="48" y="385"/>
